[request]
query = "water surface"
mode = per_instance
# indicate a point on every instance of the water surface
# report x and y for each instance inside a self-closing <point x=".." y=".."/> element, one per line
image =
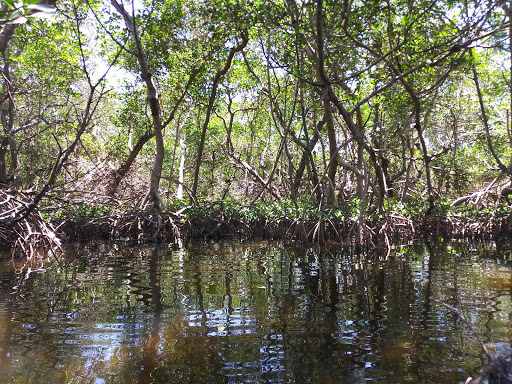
<point x="254" y="313"/>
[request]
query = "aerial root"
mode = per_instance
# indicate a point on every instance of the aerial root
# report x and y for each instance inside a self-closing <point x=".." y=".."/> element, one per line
<point x="24" y="234"/>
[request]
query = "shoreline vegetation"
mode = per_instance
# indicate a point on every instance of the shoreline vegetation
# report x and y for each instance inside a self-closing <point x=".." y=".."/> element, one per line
<point x="351" y="123"/>
<point x="26" y="230"/>
<point x="62" y="220"/>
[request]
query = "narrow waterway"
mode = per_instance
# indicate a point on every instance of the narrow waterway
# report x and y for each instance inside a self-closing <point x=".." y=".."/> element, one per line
<point x="253" y="313"/>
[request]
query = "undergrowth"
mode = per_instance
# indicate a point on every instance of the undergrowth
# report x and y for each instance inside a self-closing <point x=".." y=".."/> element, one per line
<point x="293" y="220"/>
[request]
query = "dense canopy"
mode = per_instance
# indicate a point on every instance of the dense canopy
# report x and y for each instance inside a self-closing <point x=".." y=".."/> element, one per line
<point x="356" y="105"/>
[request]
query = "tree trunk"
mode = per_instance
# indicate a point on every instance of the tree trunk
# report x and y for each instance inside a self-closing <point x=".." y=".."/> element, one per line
<point x="3" y="166"/>
<point x="7" y="111"/>
<point x="426" y="157"/>
<point x="183" y="146"/>
<point x="216" y="81"/>
<point x="360" y="190"/>
<point x="154" y="104"/>
<point x="333" y="151"/>
<point x="121" y="172"/>
<point x="305" y="160"/>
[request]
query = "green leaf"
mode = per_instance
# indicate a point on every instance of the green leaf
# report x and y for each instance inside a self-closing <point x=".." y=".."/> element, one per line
<point x="10" y="3"/>
<point x="15" y="15"/>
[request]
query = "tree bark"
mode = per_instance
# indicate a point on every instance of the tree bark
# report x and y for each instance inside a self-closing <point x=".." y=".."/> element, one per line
<point x="121" y="172"/>
<point x="333" y="151"/>
<point x="7" y="111"/>
<point x="154" y="105"/>
<point x="183" y="146"/>
<point x="304" y="160"/>
<point x="3" y="166"/>
<point x="216" y="81"/>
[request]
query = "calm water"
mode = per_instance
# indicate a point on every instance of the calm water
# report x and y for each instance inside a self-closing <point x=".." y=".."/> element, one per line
<point x="257" y="313"/>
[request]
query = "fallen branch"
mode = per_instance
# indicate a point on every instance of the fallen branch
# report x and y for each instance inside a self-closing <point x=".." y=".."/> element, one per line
<point x="497" y="368"/>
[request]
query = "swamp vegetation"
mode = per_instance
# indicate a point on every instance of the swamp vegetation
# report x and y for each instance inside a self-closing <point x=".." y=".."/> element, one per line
<point x="355" y="122"/>
<point x="357" y="125"/>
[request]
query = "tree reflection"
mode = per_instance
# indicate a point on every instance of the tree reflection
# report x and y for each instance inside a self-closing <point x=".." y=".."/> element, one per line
<point x="256" y="313"/>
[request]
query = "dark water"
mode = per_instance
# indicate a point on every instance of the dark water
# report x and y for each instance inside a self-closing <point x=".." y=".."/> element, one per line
<point x="257" y="313"/>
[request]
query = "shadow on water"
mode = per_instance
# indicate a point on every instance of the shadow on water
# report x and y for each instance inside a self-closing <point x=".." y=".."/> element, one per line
<point x="254" y="313"/>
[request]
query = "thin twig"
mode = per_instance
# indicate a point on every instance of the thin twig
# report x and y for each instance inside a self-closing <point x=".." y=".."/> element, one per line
<point x="470" y="326"/>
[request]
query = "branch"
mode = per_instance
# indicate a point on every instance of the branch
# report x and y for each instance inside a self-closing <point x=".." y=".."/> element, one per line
<point x="470" y="326"/>
<point x="500" y="164"/>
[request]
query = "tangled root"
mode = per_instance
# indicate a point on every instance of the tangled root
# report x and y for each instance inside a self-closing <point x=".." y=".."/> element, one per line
<point x="22" y="233"/>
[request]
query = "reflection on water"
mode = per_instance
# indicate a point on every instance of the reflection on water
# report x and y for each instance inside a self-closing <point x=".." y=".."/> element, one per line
<point x="253" y="314"/>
